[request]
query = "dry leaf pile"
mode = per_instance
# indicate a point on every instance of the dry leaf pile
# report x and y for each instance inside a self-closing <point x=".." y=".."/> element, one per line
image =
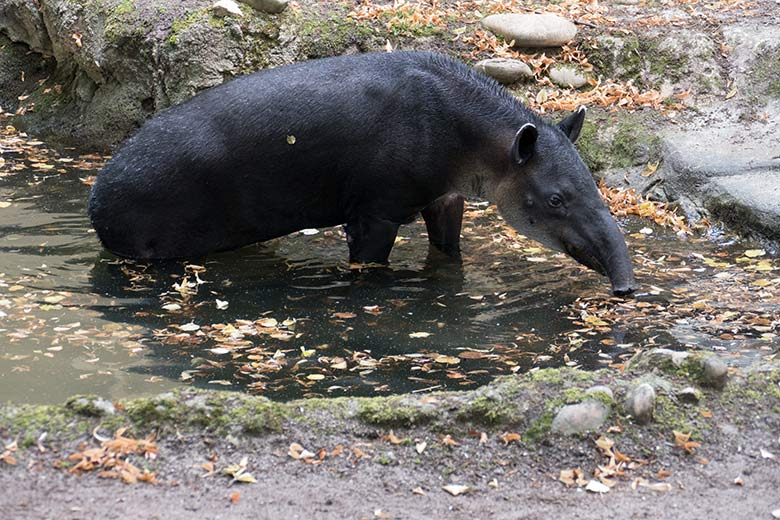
<point x="111" y="458"/>
<point x="623" y="202"/>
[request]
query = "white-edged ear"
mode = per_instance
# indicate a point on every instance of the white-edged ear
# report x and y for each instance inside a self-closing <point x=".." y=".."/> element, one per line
<point x="525" y="143"/>
<point x="572" y="125"/>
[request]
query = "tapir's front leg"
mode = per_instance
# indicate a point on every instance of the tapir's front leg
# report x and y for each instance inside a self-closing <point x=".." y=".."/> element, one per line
<point x="443" y="218"/>
<point x="370" y="240"/>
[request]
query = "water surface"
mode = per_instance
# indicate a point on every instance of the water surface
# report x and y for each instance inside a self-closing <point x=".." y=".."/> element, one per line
<point x="289" y="318"/>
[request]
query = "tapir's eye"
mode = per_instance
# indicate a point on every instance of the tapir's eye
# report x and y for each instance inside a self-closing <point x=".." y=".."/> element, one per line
<point x="555" y="201"/>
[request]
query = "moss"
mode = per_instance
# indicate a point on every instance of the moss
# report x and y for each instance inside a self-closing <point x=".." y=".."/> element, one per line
<point x="179" y="26"/>
<point x="764" y="76"/>
<point x="258" y="415"/>
<point x="669" y="416"/>
<point x="637" y="58"/>
<point x="123" y="23"/>
<point x="331" y="36"/>
<point x="392" y="411"/>
<point x="37" y="419"/>
<point x="539" y="428"/>
<point x="593" y="153"/>
<point x="487" y="410"/>
<point x="85" y="405"/>
<point x="618" y="143"/>
<point x="161" y="409"/>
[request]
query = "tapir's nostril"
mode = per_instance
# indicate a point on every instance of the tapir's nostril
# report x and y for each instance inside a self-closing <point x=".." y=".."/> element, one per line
<point x="623" y="291"/>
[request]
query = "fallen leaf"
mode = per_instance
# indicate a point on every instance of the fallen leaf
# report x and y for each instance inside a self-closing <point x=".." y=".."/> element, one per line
<point x="221" y="304"/>
<point x="456" y="489"/>
<point x="235" y="497"/>
<point x="681" y="440"/>
<point x="510" y="437"/>
<point x="419" y="491"/>
<point x="419" y="334"/>
<point x="420" y="447"/>
<point x="189" y="327"/>
<point x="595" y="486"/>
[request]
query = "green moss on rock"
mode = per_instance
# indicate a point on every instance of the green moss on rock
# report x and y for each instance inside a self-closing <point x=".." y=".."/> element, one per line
<point x="394" y="411"/>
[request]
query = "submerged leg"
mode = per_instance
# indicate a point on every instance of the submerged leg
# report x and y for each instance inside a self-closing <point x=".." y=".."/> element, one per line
<point x="370" y="240"/>
<point x="443" y="218"/>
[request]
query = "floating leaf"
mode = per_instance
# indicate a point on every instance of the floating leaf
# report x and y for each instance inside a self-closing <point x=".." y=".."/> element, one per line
<point x="419" y="334"/>
<point x="189" y="327"/>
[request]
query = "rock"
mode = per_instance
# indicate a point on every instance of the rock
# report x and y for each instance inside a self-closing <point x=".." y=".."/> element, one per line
<point x="640" y="403"/>
<point x="625" y="2"/>
<point x="531" y="30"/>
<point x="504" y="70"/>
<point x="268" y="6"/>
<point x="657" y="358"/>
<point x="225" y="8"/>
<point x="579" y="418"/>
<point x="600" y="389"/>
<point x="92" y="406"/>
<point x="659" y="384"/>
<point x="714" y="372"/>
<point x="689" y="394"/>
<point x="21" y="20"/>
<point x="568" y="76"/>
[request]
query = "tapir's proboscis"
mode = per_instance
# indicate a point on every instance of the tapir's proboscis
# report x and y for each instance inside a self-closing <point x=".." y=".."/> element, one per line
<point x="368" y="141"/>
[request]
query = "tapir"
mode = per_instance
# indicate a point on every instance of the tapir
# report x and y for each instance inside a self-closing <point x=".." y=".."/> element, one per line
<point x="366" y="141"/>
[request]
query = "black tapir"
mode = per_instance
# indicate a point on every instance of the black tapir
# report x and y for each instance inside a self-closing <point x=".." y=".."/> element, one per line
<point x="368" y="141"/>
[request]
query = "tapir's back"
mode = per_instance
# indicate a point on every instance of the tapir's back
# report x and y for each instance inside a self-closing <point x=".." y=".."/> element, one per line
<point x="279" y="150"/>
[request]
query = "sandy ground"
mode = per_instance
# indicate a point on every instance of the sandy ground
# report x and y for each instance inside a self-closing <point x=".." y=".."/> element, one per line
<point x="381" y="486"/>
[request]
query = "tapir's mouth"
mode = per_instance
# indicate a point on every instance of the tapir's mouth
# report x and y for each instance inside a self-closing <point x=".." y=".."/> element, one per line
<point x="586" y="259"/>
<point x="621" y="286"/>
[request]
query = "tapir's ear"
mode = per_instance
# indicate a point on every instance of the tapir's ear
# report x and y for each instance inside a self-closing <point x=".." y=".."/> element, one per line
<point x="572" y="125"/>
<point x="525" y="143"/>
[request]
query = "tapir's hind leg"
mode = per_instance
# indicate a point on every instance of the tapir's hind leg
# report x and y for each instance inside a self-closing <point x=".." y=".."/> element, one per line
<point x="370" y="240"/>
<point x="443" y="218"/>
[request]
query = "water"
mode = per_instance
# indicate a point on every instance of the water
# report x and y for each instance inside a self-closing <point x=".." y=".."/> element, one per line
<point x="289" y="318"/>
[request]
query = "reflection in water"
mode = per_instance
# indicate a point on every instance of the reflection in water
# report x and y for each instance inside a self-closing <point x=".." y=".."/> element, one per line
<point x="294" y="320"/>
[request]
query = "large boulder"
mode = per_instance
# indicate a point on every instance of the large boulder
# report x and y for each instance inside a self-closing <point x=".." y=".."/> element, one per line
<point x="531" y="30"/>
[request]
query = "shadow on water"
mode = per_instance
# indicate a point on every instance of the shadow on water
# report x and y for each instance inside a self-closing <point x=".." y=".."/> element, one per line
<point x="289" y="318"/>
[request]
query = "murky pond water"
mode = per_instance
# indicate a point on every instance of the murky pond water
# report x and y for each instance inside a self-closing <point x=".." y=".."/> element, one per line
<point x="289" y="318"/>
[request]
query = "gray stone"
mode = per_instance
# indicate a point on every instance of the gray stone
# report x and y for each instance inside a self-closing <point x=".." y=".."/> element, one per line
<point x="640" y="403"/>
<point x="21" y="20"/>
<point x="225" y="8"/>
<point x="568" y="76"/>
<point x="659" y="384"/>
<point x="600" y="389"/>
<point x="97" y="407"/>
<point x="504" y="70"/>
<point x="714" y="372"/>
<point x="586" y="416"/>
<point x="268" y="6"/>
<point x="689" y="394"/>
<point x="531" y="30"/>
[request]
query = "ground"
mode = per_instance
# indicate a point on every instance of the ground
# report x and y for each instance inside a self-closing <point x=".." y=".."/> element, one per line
<point x="392" y="457"/>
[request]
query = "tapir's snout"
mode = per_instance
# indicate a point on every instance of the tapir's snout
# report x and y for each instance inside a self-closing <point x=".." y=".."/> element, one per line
<point x="604" y="250"/>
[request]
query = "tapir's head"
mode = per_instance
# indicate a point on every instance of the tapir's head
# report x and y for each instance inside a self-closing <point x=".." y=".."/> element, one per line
<point x="549" y="195"/>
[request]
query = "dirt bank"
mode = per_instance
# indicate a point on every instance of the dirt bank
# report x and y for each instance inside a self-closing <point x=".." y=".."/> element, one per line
<point x="392" y="457"/>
